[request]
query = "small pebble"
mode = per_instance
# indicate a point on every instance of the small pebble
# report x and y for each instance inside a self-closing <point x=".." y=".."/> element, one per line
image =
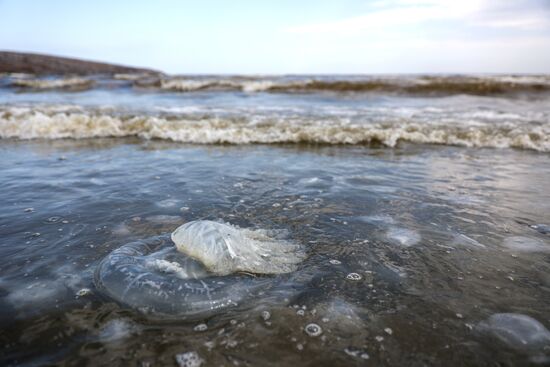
<point x="459" y="315"/>
<point x="388" y="331"/>
<point x="29" y="210"/>
<point x="335" y="262"/>
<point x="265" y="315"/>
<point x="300" y="313"/>
<point x="379" y="338"/>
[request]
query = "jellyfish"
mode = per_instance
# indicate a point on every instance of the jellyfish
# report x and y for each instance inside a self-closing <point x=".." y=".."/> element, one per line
<point x="518" y="331"/>
<point x="202" y="268"/>
<point x="225" y="249"/>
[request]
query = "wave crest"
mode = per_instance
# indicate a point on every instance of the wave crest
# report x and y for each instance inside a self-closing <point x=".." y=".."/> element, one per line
<point x="43" y="84"/>
<point x="51" y="123"/>
<point x="425" y="85"/>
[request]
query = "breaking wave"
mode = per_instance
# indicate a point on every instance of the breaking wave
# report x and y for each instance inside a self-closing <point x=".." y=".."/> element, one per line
<point x="76" y="123"/>
<point x="44" y="84"/>
<point x="426" y="85"/>
<point x="421" y="85"/>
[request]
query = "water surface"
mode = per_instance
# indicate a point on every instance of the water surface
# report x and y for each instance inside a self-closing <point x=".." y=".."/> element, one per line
<point x="411" y="246"/>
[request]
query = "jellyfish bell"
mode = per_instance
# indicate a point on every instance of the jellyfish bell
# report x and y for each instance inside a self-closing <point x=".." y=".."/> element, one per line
<point x="226" y="249"/>
<point x="155" y="277"/>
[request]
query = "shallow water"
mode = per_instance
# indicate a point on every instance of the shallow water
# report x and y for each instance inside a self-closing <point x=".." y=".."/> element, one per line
<point x="410" y="250"/>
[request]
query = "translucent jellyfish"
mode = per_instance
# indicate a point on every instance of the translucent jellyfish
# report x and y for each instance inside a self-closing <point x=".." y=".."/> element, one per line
<point x="517" y="331"/>
<point x="155" y="278"/>
<point x="224" y="249"/>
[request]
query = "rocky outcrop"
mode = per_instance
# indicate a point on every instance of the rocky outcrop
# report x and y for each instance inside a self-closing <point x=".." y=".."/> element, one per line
<point x="19" y="62"/>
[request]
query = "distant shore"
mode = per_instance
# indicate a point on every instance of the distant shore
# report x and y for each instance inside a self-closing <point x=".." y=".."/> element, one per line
<point x="19" y="62"/>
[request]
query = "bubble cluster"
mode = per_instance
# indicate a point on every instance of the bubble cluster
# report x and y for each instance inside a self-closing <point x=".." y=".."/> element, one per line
<point x="356" y="352"/>
<point x="189" y="359"/>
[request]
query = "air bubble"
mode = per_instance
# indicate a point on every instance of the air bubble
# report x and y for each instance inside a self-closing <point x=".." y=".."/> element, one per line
<point x="83" y="292"/>
<point x="353" y="276"/>
<point x="313" y="330"/>
<point x="356" y="352"/>
<point x="200" y="327"/>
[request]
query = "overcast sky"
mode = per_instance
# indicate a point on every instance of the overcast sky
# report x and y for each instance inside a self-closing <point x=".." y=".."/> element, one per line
<point x="284" y="36"/>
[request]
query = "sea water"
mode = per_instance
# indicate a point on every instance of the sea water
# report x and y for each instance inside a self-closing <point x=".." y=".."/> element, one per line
<point x="419" y="204"/>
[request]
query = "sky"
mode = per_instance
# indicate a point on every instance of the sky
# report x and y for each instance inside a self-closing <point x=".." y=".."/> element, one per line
<point x="288" y="37"/>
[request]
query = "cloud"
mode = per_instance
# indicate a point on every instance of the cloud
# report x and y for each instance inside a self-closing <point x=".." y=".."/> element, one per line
<point x="426" y="36"/>
<point x="518" y="15"/>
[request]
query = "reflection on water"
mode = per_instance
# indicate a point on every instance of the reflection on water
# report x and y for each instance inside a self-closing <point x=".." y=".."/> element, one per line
<point x="410" y="252"/>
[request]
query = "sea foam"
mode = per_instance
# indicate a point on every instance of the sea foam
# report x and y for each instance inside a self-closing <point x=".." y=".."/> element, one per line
<point x="52" y="123"/>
